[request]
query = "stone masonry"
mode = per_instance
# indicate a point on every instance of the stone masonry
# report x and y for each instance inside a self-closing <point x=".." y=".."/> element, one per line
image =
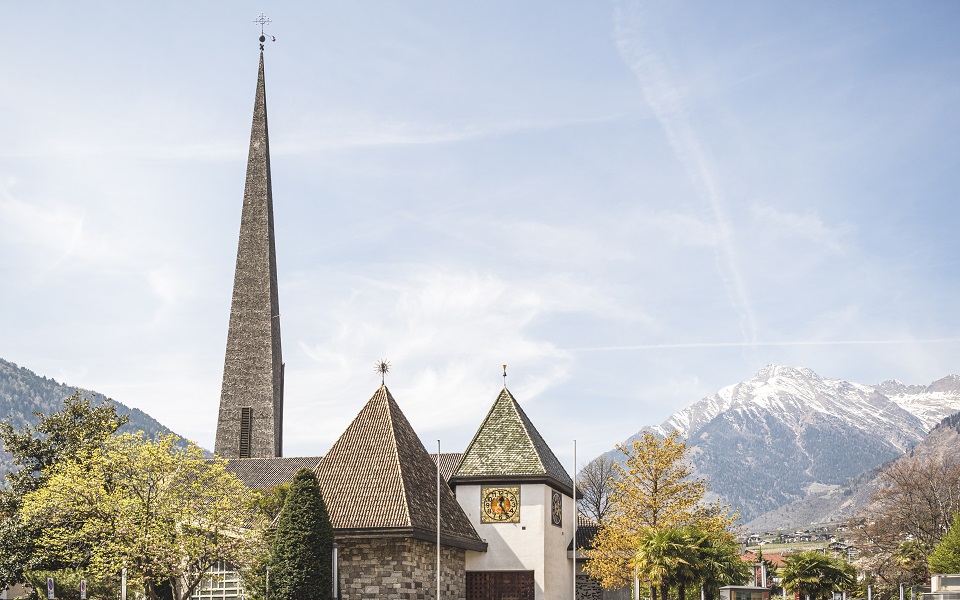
<point x="399" y="569"/>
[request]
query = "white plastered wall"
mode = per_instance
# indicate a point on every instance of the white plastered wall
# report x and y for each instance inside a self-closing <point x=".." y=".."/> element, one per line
<point x="533" y="544"/>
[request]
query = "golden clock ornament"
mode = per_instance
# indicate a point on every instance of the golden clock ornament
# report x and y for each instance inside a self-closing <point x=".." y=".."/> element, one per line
<point x="500" y="505"/>
<point x="556" y="508"/>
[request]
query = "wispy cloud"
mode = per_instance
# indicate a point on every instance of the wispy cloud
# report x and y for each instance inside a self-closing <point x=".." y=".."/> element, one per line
<point x="360" y="130"/>
<point x="53" y="233"/>
<point x="669" y="106"/>
<point x="694" y="345"/>
<point x="446" y="332"/>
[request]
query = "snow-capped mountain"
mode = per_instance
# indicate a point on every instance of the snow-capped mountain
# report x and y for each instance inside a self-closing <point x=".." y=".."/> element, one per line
<point x="837" y="503"/>
<point x="765" y="442"/>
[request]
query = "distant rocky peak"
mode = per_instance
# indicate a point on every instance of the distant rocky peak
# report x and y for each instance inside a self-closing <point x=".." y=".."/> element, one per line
<point x="950" y="383"/>
<point x="827" y="430"/>
<point x="774" y="371"/>
<point x="891" y="387"/>
<point x="768" y="371"/>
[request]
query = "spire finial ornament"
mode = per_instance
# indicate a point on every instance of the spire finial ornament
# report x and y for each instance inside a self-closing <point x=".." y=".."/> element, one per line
<point x="504" y="376"/>
<point x="263" y="20"/>
<point x="382" y="367"/>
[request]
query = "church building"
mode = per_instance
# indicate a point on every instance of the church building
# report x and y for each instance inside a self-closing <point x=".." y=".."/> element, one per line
<point x="507" y="515"/>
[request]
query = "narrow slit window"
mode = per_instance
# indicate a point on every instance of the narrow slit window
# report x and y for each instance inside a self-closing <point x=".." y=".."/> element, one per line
<point x="246" y="427"/>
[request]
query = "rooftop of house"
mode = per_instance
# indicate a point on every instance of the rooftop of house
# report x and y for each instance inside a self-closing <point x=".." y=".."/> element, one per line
<point x="378" y="479"/>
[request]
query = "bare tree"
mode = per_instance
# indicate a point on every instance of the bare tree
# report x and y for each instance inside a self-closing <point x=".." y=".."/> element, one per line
<point x="906" y="519"/>
<point x="920" y="498"/>
<point x="595" y="481"/>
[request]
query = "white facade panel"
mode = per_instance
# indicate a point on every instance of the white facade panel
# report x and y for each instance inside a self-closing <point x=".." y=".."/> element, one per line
<point x="558" y="568"/>
<point x="533" y="544"/>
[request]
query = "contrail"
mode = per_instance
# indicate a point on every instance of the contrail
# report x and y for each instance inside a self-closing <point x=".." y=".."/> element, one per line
<point x="667" y="103"/>
<point x="758" y="344"/>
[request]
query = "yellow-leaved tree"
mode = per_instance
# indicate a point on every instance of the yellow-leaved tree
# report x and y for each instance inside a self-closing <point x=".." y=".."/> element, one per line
<point x="156" y="508"/>
<point x="653" y="492"/>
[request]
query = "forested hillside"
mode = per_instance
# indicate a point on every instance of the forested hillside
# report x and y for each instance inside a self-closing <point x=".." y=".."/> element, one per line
<point x="23" y="392"/>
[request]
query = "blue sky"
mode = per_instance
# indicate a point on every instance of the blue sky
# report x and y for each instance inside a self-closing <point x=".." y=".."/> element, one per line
<point x="631" y="204"/>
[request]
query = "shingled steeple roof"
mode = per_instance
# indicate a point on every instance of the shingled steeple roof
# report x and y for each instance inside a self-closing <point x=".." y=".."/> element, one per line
<point x="508" y="448"/>
<point x="378" y="480"/>
<point x="250" y="424"/>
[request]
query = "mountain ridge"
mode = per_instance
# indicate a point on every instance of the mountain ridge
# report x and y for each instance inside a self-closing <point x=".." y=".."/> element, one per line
<point x="23" y="392"/>
<point x="765" y="442"/>
<point x="842" y="502"/>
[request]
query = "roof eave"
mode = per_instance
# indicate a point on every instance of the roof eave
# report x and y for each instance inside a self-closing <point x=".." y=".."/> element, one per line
<point x="549" y="480"/>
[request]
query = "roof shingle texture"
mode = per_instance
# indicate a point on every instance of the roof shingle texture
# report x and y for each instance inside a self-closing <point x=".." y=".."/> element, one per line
<point x="253" y="363"/>
<point x="378" y="475"/>
<point x="587" y="529"/>
<point x="508" y="444"/>
<point x="264" y="473"/>
<point x="448" y="462"/>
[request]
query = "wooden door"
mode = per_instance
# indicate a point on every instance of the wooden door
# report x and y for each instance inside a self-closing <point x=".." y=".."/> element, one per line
<point x="500" y="585"/>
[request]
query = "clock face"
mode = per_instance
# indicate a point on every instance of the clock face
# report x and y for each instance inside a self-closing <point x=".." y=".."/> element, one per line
<point x="500" y="505"/>
<point x="556" y="509"/>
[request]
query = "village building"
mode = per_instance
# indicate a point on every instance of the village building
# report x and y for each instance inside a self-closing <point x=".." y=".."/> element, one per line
<point x="507" y="514"/>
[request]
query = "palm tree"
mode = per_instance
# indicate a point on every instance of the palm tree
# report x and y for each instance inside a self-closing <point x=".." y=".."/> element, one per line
<point x="684" y="557"/>
<point x="659" y="554"/>
<point x="814" y="575"/>
<point x="720" y="563"/>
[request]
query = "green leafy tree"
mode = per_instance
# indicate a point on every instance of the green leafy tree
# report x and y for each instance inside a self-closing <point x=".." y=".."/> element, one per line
<point x="269" y="502"/>
<point x="302" y="544"/>
<point x="945" y="558"/>
<point x="78" y="428"/>
<point x="652" y="491"/>
<point x="158" y="509"/>
<point x="814" y="575"/>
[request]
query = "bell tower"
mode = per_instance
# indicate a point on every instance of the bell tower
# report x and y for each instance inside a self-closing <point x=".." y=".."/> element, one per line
<point x="250" y="424"/>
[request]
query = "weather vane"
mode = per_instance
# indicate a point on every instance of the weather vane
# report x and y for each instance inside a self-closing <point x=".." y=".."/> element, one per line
<point x="504" y="375"/>
<point x="382" y="367"/>
<point x="263" y="20"/>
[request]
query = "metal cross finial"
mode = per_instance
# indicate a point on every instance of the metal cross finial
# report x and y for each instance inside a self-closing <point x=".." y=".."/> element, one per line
<point x="263" y="20"/>
<point x="504" y="376"/>
<point x="382" y="367"/>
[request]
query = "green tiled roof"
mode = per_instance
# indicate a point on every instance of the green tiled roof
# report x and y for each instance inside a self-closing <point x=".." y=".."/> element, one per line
<point x="507" y="445"/>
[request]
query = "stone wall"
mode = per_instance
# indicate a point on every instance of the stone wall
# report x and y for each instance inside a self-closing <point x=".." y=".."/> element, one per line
<point x="399" y="569"/>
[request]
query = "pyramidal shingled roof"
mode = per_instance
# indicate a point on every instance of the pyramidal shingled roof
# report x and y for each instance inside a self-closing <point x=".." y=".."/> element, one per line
<point x="378" y="479"/>
<point x="508" y="447"/>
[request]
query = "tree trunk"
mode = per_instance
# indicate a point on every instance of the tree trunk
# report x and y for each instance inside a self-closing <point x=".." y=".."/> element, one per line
<point x="149" y="589"/>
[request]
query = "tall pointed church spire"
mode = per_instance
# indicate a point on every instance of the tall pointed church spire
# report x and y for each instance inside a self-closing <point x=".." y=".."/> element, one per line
<point x="251" y="399"/>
